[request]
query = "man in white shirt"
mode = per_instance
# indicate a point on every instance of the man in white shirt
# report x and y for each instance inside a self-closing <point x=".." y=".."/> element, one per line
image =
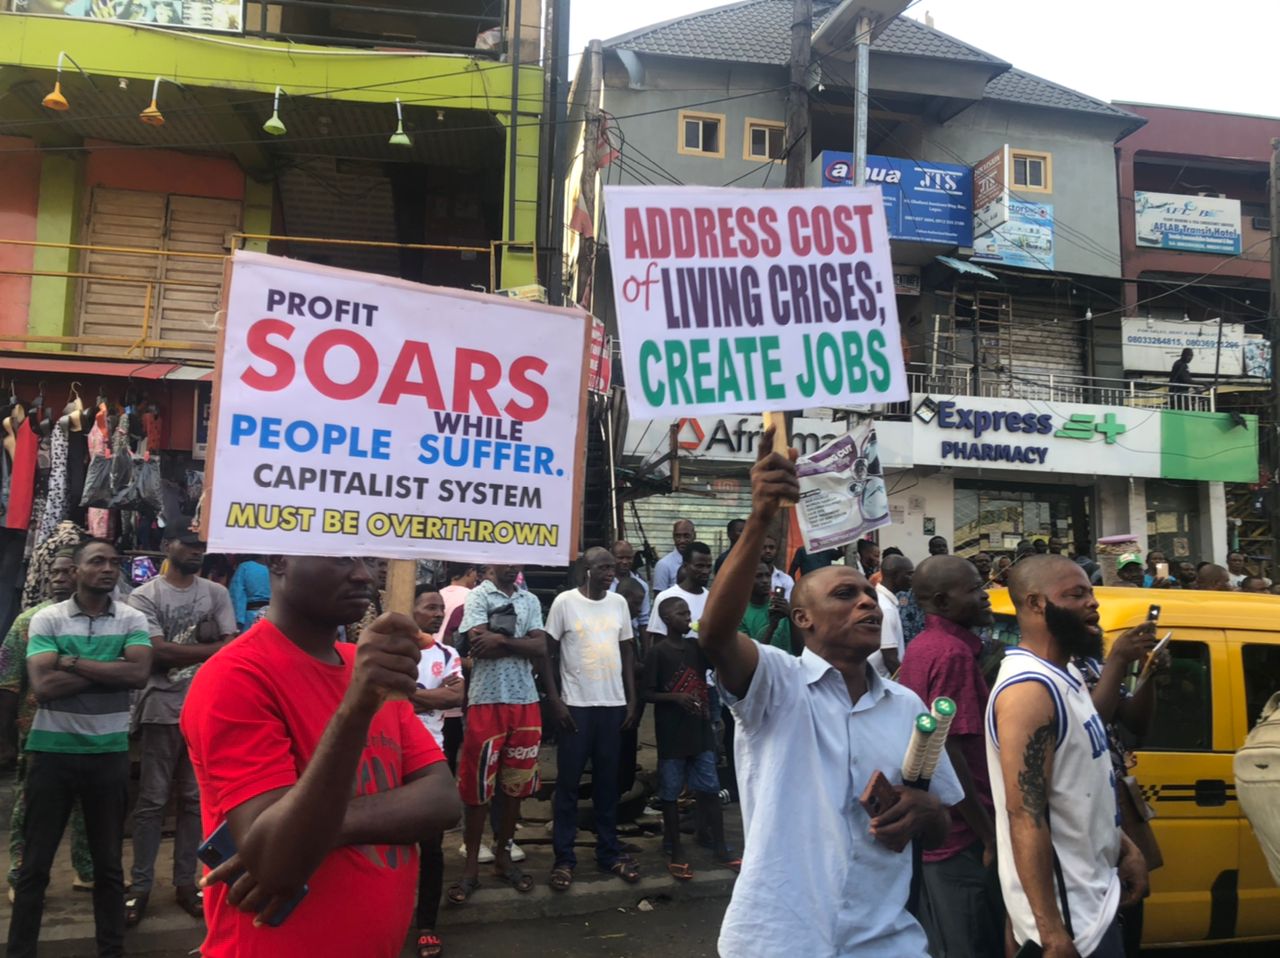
<point x="593" y="653"/>
<point x="895" y="577"/>
<point x="441" y="688"/>
<point x="1065" y="866"/>
<point x="692" y="587"/>
<point x="823" y="722"/>
<point x="769" y="555"/>
<point x="668" y="567"/>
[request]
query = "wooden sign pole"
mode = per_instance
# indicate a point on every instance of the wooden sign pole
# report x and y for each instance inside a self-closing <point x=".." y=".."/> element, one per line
<point x="781" y="442"/>
<point x="402" y="582"/>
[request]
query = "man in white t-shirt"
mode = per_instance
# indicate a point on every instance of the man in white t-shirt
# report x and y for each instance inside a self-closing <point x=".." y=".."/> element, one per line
<point x="690" y="586"/>
<point x="593" y="653"/>
<point x="895" y="577"/>
<point x="441" y="688"/>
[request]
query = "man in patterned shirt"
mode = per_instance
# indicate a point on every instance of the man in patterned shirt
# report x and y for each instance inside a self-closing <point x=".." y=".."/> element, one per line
<point x="502" y="624"/>
<point x="16" y="698"/>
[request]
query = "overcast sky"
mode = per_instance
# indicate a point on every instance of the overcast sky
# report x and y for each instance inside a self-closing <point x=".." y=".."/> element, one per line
<point x="1173" y="52"/>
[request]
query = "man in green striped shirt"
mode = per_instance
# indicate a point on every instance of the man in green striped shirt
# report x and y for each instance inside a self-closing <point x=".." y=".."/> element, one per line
<point x="83" y="657"/>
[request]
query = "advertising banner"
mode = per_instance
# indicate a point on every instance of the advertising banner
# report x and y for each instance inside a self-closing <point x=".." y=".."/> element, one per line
<point x="991" y="192"/>
<point x="1154" y="345"/>
<point x="742" y="300"/>
<point x="924" y="202"/>
<point x="1196" y="224"/>
<point x="1025" y="240"/>
<point x="358" y="415"/>
<point x="221" y="15"/>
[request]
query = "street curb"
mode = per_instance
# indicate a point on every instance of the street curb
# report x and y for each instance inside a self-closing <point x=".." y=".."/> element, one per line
<point x="583" y="898"/>
<point x="486" y="906"/>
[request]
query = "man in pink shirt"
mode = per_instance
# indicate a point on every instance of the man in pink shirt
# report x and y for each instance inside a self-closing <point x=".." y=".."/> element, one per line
<point x="462" y="579"/>
<point x="962" y="910"/>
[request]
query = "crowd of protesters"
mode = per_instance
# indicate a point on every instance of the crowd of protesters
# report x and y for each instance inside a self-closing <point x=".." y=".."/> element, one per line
<point x="252" y="706"/>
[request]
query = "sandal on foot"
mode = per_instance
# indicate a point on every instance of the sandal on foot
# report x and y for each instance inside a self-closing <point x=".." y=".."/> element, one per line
<point x="734" y="865"/>
<point x="462" y="889"/>
<point x="513" y="876"/>
<point x="429" y="944"/>
<point x="561" y="878"/>
<point x="680" y="872"/>
<point x="135" y="908"/>
<point x="625" y="868"/>
<point x="191" y="900"/>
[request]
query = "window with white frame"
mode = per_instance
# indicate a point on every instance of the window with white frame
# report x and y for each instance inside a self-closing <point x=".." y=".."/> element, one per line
<point x="701" y="134"/>
<point x="764" y="140"/>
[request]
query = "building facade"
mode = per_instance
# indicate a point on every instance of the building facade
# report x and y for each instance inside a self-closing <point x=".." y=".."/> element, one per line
<point x="1004" y="204"/>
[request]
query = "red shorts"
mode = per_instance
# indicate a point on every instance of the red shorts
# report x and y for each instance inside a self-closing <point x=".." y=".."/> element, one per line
<point x="500" y="745"/>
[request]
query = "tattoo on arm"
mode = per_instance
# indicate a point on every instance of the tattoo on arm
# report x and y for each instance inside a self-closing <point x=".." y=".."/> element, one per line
<point x="1031" y="780"/>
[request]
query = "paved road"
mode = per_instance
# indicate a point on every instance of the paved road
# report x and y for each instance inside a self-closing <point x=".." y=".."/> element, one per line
<point x="685" y="929"/>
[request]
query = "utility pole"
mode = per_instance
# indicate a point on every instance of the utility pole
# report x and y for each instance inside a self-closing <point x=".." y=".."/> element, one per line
<point x="862" y="79"/>
<point x="796" y="134"/>
<point x="1272" y="436"/>
<point x="590" y="167"/>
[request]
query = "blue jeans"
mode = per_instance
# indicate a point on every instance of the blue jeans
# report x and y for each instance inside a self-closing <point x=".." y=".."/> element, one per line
<point x="598" y="740"/>
<point x="696" y="771"/>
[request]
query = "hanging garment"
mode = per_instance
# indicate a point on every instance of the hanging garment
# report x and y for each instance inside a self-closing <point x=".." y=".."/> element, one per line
<point x="66" y="536"/>
<point x="98" y="521"/>
<point x="55" y="502"/>
<point x="22" y="480"/>
<point x="77" y="463"/>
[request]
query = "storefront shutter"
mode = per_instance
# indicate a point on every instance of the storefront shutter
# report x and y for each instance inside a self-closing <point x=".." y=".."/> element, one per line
<point x="119" y="219"/>
<point x="191" y="291"/>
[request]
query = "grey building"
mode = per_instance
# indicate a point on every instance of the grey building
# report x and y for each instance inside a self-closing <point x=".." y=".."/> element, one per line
<point x="1014" y="304"/>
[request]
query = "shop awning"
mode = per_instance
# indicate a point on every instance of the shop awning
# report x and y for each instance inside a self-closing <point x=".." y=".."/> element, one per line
<point x="963" y="266"/>
<point x="71" y="365"/>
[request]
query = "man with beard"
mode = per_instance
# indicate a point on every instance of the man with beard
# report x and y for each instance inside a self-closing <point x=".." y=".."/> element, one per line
<point x="189" y="619"/>
<point x="824" y="722"/>
<point x="1065" y="866"/>
<point x="691" y="585"/>
<point x="308" y="749"/>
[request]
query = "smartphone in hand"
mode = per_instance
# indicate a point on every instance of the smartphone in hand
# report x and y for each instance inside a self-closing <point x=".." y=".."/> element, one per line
<point x="879" y="796"/>
<point x="220" y="846"/>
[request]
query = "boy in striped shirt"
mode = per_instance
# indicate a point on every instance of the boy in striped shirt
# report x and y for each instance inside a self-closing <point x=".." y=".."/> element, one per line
<point x="83" y="657"/>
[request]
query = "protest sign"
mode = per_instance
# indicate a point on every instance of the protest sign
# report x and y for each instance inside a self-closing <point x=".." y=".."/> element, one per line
<point x="842" y="490"/>
<point x="740" y="300"/>
<point x="363" y="415"/>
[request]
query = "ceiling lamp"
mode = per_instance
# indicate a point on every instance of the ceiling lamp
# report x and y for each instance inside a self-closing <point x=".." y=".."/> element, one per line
<point x="55" y="100"/>
<point x="152" y="115"/>
<point x="400" y="137"/>
<point x="274" y="125"/>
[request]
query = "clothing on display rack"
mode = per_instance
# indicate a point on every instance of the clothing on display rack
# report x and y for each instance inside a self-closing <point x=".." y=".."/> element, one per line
<point x="55" y="500"/>
<point x="67" y="535"/>
<point x="22" y="479"/>
<point x="98" y="521"/>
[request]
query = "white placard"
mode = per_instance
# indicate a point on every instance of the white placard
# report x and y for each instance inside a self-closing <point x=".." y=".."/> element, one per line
<point x="362" y="415"/>
<point x="741" y="300"/>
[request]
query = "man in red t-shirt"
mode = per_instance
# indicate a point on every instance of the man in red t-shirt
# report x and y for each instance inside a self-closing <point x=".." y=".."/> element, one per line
<point x="279" y="725"/>
<point x="963" y="912"/>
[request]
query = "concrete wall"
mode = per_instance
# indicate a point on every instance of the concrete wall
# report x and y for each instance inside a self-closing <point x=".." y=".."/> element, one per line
<point x="668" y="86"/>
<point x="1083" y="172"/>
<point x="919" y="497"/>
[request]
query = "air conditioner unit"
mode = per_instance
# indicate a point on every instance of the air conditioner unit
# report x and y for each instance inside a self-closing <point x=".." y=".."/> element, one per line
<point x="1262" y="223"/>
<point x="1219" y="196"/>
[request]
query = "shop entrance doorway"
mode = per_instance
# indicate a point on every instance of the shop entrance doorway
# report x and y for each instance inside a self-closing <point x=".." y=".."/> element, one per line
<point x="994" y="517"/>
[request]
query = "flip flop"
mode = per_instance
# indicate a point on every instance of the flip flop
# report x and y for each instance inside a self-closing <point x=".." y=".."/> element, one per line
<point x="625" y="868"/>
<point x="429" y="945"/>
<point x="462" y="889"/>
<point x="520" y="881"/>
<point x="680" y="872"/>
<point x="561" y="878"/>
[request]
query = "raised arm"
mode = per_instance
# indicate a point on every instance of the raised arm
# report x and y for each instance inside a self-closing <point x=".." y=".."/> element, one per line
<point x="1027" y="728"/>
<point x="734" y="656"/>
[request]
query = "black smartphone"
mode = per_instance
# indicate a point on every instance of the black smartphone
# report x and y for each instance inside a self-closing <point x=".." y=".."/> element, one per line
<point x="220" y="846"/>
<point x="1153" y="614"/>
